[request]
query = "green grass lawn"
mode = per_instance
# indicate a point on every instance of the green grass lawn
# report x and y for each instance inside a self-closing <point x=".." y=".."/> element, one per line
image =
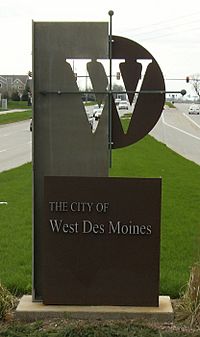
<point x="17" y="105"/>
<point x="170" y="104"/>
<point x="15" y="117"/>
<point x="15" y="229"/>
<point x="147" y="158"/>
<point x="180" y="226"/>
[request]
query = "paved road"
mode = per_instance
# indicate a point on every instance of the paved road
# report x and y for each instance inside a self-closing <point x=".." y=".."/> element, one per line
<point x="15" y="145"/>
<point x="180" y="132"/>
<point x="177" y="129"/>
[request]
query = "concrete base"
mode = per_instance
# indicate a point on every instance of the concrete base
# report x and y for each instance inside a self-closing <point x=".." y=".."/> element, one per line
<point x="29" y="311"/>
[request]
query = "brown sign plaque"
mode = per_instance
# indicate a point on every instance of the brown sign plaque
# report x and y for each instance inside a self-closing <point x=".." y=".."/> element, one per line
<point x="101" y="241"/>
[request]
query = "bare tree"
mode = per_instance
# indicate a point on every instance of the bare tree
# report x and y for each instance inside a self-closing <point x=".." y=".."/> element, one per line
<point x="195" y="81"/>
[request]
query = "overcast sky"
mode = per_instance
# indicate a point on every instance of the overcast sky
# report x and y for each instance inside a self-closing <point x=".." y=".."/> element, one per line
<point x="169" y="30"/>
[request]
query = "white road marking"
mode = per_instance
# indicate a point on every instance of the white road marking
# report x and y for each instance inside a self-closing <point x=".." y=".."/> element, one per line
<point x="3" y="150"/>
<point x="191" y="120"/>
<point x="175" y="128"/>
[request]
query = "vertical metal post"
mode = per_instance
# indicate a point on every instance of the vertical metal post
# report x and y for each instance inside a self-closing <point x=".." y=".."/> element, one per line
<point x="110" y="92"/>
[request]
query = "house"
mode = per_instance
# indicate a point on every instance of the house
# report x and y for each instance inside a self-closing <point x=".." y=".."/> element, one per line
<point x="12" y="83"/>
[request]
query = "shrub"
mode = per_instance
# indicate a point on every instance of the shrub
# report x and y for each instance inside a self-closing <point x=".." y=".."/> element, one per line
<point x="7" y="302"/>
<point x="189" y="307"/>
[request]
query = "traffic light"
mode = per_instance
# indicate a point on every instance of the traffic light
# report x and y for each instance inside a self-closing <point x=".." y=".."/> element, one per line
<point x="187" y="79"/>
<point x="118" y="75"/>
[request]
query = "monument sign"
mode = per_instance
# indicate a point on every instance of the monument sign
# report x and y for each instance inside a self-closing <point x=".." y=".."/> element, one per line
<point x="96" y="238"/>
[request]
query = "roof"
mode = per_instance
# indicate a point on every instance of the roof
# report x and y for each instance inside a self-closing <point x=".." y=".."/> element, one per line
<point x="22" y="78"/>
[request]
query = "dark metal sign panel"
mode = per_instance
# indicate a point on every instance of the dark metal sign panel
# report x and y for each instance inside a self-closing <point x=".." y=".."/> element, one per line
<point x="101" y="241"/>
<point x="151" y="99"/>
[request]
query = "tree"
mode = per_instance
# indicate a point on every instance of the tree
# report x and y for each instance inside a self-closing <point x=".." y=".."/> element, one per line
<point x="195" y="81"/>
<point x="5" y="95"/>
<point x="25" y="95"/>
<point x="15" y="96"/>
<point x="117" y="88"/>
<point x="26" y="92"/>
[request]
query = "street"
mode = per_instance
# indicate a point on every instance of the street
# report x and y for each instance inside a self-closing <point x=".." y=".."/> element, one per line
<point x="15" y="145"/>
<point x="180" y="131"/>
<point x="176" y="128"/>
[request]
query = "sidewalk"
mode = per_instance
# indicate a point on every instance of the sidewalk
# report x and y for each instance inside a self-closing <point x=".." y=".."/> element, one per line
<point x="14" y="110"/>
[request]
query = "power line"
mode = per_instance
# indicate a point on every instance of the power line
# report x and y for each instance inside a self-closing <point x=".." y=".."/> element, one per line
<point x="169" y="34"/>
<point x="161" y="30"/>
<point x="169" y="27"/>
<point x="161" y="22"/>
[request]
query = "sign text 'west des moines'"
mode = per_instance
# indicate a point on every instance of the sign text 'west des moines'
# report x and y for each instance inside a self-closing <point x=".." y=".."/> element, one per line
<point x="101" y="241"/>
<point x="86" y="226"/>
